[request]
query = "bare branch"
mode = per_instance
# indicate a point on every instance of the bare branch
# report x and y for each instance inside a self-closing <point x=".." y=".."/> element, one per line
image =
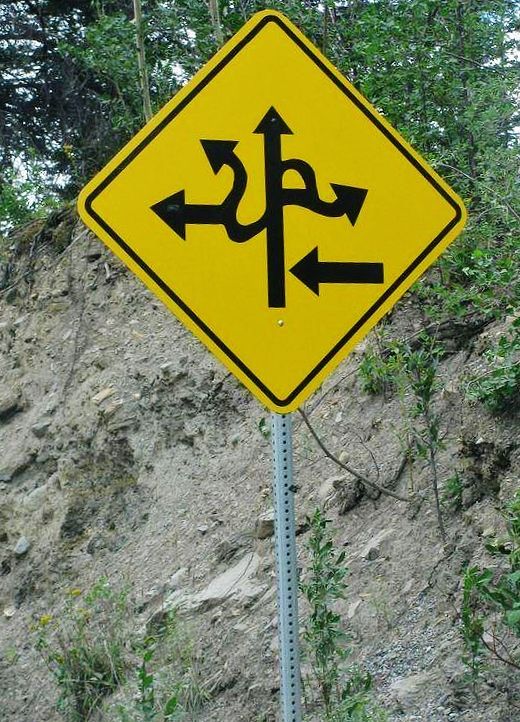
<point x="350" y="470"/>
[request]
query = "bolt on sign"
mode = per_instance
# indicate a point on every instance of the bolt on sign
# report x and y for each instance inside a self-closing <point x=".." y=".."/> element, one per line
<point x="273" y="210"/>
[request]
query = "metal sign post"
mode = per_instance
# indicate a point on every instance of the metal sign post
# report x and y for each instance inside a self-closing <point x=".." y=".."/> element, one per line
<point x="287" y="571"/>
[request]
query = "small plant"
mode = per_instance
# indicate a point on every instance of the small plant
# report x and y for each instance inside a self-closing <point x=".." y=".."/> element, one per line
<point x="146" y="706"/>
<point x="490" y="613"/>
<point x="85" y="648"/>
<point x="11" y="655"/>
<point x="264" y="428"/>
<point x="415" y="374"/>
<point x="344" y="692"/>
<point x="167" y="680"/>
<point x="499" y="387"/>
<point x="452" y="493"/>
<point x="374" y="372"/>
<point x="472" y="626"/>
<point x="377" y="368"/>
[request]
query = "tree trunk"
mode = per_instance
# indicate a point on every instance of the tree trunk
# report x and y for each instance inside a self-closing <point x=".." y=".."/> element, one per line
<point x="141" y="61"/>
<point x="215" y="22"/>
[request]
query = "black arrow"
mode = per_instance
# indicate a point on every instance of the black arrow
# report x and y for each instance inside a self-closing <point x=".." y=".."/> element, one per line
<point x="311" y="272"/>
<point x="221" y="153"/>
<point x="349" y="199"/>
<point x="272" y="127"/>
<point x="177" y="214"/>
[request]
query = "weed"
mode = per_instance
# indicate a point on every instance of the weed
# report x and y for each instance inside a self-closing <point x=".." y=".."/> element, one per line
<point x="499" y="387"/>
<point x="344" y="692"/>
<point x="377" y="368"/>
<point x="174" y="691"/>
<point x="415" y="375"/>
<point x="11" y="655"/>
<point x="264" y="428"/>
<point x="472" y="626"/>
<point x="490" y="613"/>
<point x="452" y="493"/>
<point x="85" y="648"/>
<point x="147" y="707"/>
<point x="374" y="372"/>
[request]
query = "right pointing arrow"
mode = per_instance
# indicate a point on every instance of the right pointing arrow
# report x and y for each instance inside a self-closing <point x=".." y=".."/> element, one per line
<point x="311" y="272"/>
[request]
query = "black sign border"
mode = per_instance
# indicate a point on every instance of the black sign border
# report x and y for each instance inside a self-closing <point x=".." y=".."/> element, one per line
<point x="179" y="302"/>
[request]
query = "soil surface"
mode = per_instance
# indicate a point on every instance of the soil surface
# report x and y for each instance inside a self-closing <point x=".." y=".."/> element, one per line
<point x="127" y="451"/>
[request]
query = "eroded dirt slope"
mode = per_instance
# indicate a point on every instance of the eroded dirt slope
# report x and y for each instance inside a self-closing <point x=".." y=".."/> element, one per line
<point x="127" y="451"/>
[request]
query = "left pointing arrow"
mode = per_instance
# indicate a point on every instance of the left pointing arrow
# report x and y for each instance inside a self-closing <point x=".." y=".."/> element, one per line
<point x="176" y="213"/>
<point x="311" y="272"/>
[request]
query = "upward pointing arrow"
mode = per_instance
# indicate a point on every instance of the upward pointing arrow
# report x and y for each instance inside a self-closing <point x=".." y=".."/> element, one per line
<point x="272" y="127"/>
<point x="273" y="124"/>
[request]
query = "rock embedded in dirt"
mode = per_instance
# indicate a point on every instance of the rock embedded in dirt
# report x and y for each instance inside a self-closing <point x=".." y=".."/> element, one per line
<point x="22" y="546"/>
<point x="228" y="548"/>
<point x="409" y="692"/>
<point x="264" y="527"/>
<point x="375" y="546"/>
<point x="105" y="393"/>
<point x="36" y="498"/>
<point x="349" y="493"/>
<point x="40" y="428"/>
<point x="236" y="583"/>
<point x="177" y="578"/>
<point x="10" y="468"/>
<point x="10" y="403"/>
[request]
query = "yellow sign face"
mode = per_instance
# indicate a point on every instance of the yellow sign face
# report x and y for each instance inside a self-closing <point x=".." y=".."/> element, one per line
<point x="273" y="210"/>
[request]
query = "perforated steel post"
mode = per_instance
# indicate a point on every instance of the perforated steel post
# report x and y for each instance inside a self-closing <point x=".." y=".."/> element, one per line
<point x="287" y="571"/>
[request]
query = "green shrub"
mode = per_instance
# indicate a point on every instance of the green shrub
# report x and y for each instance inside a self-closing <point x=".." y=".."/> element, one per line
<point x="375" y="373"/>
<point x="499" y="387"/>
<point x="147" y="706"/>
<point x="490" y="613"/>
<point x="84" y="648"/>
<point x="167" y="683"/>
<point x="482" y="280"/>
<point x="344" y="692"/>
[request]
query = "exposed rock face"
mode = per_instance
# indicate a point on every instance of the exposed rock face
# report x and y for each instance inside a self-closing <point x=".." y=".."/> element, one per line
<point x="409" y="691"/>
<point x="237" y="584"/>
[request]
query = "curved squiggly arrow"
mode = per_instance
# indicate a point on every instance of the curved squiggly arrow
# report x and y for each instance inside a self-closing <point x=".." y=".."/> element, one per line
<point x="349" y="199"/>
<point x="177" y="214"/>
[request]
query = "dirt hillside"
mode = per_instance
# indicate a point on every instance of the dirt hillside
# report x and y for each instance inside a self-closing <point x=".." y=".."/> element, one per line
<point x="127" y="451"/>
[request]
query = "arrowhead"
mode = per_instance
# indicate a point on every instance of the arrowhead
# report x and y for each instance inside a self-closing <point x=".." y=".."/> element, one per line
<point x="351" y="200"/>
<point x="306" y="271"/>
<point x="219" y="152"/>
<point x="172" y="211"/>
<point x="273" y="124"/>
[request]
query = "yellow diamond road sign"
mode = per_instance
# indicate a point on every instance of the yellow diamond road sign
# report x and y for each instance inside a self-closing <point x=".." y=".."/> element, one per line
<point x="273" y="210"/>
